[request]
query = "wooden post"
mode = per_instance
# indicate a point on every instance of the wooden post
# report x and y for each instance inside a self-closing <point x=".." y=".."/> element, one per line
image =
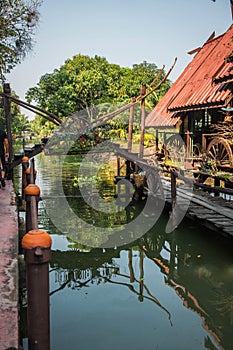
<point x="37" y="252"/>
<point x="188" y="144"/>
<point x="7" y="107"/>
<point x="131" y="119"/>
<point x="157" y="140"/>
<point x="128" y="169"/>
<point x="32" y="171"/>
<point x="216" y="184"/>
<point x="143" y="118"/>
<point x="118" y="166"/>
<point x="32" y="193"/>
<point x="164" y="138"/>
<point x="204" y="143"/>
<point x="31" y="175"/>
<point x="173" y="188"/>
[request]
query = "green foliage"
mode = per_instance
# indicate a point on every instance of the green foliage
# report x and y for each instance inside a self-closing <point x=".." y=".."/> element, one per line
<point x="18" y="20"/>
<point x="149" y="139"/>
<point x="103" y="180"/>
<point x="41" y="127"/>
<point x="91" y="139"/>
<point x="84" y="82"/>
<point x="208" y="165"/>
<point x="19" y="122"/>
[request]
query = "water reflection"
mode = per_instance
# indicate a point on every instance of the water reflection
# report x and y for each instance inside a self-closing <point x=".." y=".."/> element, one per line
<point x="196" y="275"/>
<point x="163" y="291"/>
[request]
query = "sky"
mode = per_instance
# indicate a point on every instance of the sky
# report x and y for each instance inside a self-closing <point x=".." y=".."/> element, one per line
<point x="125" y="32"/>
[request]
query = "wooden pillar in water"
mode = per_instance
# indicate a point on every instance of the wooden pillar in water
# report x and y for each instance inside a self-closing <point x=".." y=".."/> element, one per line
<point x="143" y="118"/>
<point x="173" y="188"/>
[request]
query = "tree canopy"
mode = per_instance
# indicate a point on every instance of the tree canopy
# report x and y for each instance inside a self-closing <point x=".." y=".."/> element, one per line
<point x="18" y="20"/>
<point x="85" y="81"/>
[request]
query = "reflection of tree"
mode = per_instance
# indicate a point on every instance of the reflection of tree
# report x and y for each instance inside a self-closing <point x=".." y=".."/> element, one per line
<point x="90" y="216"/>
<point x="78" y="210"/>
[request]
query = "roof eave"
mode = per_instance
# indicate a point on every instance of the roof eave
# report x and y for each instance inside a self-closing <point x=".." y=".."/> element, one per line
<point x="223" y="80"/>
<point x="198" y="107"/>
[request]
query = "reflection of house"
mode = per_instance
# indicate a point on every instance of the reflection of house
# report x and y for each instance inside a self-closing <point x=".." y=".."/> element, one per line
<point x="205" y="289"/>
<point x="206" y="294"/>
<point x="195" y="99"/>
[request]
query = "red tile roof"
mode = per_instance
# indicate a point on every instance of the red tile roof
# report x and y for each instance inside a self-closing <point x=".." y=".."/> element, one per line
<point x="203" y="83"/>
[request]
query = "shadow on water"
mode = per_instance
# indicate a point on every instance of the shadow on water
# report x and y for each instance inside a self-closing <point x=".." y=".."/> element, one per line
<point x="162" y="291"/>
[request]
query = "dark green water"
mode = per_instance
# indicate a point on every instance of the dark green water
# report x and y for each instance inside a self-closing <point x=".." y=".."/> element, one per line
<point x="158" y="292"/>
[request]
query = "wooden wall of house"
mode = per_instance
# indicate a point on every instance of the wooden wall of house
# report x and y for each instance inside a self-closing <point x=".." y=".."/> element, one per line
<point x="198" y="122"/>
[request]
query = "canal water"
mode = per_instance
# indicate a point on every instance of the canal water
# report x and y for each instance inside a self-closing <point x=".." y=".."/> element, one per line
<point x="159" y="291"/>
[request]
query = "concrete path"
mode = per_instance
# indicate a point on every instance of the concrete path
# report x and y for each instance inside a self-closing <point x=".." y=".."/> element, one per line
<point x="8" y="269"/>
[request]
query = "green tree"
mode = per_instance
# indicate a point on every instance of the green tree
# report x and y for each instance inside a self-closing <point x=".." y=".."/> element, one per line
<point x="18" y="20"/>
<point x="84" y="82"/>
<point x="41" y="127"/>
<point x="21" y="124"/>
<point x="80" y="83"/>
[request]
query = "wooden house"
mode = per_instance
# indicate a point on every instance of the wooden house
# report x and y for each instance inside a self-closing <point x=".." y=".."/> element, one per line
<point x="201" y="96"/>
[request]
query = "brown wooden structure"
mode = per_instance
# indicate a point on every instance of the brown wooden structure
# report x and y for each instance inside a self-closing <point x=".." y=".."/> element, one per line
<point x="200" y="98"/>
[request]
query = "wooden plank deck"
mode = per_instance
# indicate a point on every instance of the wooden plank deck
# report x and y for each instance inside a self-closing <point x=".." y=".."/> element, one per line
<point x="200" y="205"/>
<point x="205" y="209"/>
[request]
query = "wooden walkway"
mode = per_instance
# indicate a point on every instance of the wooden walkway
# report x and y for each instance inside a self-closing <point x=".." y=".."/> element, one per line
<point x="214" y="213"/>
<point x="211" y="212"/>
